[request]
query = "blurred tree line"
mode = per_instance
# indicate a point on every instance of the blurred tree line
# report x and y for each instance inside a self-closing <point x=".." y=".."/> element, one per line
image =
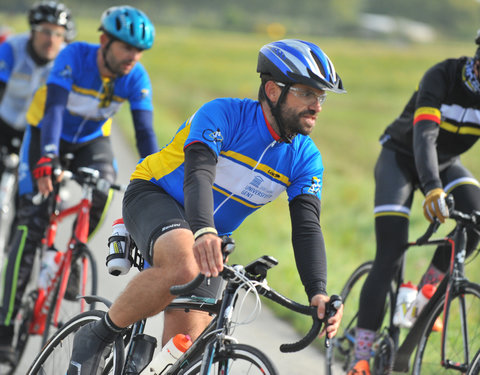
<point x="451" y="19"/>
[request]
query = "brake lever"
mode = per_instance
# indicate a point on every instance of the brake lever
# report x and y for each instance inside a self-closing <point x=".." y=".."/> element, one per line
<point x="331" y="309"/>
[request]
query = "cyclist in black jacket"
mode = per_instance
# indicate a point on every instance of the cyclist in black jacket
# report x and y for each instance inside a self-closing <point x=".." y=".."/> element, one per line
<point x="421" y="149"/>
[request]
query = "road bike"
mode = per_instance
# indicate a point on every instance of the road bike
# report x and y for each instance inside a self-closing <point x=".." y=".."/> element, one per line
<point x="216" y="351"/>
<point x="43" y="310"/>
<point x="456" y="303"/>
<point x="8" y="187"/>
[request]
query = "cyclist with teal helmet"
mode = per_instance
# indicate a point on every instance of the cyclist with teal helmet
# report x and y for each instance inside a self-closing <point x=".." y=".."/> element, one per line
<point x="73" y="113"/>
<point x="232" y="157"/>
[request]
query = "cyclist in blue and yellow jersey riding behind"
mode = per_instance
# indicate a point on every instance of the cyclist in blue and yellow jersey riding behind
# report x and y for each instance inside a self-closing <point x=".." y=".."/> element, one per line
<point x="421" y="150"/>
<point x="73" y="114"/>
<point x="230" y="158"/>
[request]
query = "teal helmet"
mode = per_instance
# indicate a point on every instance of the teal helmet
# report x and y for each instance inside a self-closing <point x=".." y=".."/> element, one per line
<point x="129" y="25"/>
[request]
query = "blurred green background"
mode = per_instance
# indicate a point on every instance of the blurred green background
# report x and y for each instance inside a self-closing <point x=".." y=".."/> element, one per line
<point x="205" y="50"/>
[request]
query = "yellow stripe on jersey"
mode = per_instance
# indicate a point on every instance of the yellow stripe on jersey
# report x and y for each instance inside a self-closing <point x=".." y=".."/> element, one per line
<point x="37" y="106"/>
<point x="95" y="93"/>
<point x="165" y="161"/>
<point x="236" y="199"/>
<point x="262" y="167"/>
<point x="107" y="127"/>
<point x="468" y="130"/>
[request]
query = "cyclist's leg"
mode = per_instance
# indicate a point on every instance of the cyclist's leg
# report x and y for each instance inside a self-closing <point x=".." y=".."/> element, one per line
<point x="31" y="223"/>
<point x="146" y="209"/>
<point x="458" y="181"/>
<point x="395" y="179"/>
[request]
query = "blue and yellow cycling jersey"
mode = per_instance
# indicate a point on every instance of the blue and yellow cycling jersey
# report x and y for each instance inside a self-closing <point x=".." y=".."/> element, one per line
<point x="253" y="168"/>
<point x="92" y="99"/>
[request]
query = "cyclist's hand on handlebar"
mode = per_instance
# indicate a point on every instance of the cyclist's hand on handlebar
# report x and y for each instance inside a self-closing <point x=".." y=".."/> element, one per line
<point x="331" y="328"/>
<point x="43" y="171"/>
<point x="434" y="205"/>
<point x="208" y="254"/>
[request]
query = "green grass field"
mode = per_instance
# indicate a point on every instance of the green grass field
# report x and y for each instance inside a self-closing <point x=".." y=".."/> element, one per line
<point x="188" y="67"/>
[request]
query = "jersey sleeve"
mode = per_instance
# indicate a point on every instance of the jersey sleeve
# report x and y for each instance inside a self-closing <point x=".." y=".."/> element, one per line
<point x="6" y="61"/>
<point x="63" y="68"/>
<point x="140" y="89"/>
<point x="211" y="125"/>
<point x="432" y="91"/>
<point x="308" y="175"/>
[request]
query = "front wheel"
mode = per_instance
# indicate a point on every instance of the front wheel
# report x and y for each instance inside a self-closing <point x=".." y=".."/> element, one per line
<point x="54" y="358"/>
<point x="461" y="333"/>
<point x="236" y="359"/>
<point x="474" y="368"/>
<point x="340" y="353"/>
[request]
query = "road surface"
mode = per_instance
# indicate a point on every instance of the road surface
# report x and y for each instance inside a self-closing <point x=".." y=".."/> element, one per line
<point x="267" y="332"/>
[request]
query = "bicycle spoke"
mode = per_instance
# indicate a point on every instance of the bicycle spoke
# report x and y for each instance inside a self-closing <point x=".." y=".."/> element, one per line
<point x="462" y="338"/>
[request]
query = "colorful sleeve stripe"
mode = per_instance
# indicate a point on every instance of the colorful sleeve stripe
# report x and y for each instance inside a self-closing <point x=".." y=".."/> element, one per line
<point x="427" y="113"/>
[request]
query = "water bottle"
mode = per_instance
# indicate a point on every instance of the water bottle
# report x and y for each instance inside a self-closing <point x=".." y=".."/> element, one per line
<point x="169" y="354"/>
<point x="406" y="295"/>
<point x="49" y="267"/>
<point x="118" y="260"/>
<point x="428" y="290"/>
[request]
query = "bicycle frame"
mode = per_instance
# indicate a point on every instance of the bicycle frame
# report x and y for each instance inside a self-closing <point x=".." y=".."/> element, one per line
<point x="216" y="335"/>
<point x="79" y="235"/>
<point x="452" y="280"/>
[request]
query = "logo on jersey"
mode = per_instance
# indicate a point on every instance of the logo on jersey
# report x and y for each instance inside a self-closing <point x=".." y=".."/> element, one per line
<point x="66" y="73"/>
<point x="254" y="191"/>
<point x="3" y="65"/>
<point x="214" y="136"/>
<point x="257" y="180"/>
<point x="144" y="93"/>
<point x="315" y="186"/>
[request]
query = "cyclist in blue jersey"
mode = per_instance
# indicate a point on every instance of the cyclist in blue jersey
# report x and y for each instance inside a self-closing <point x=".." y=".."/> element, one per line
<point x="227" y="160"/>
<point x="73" y="114"/>
<point x="25" y="62"/>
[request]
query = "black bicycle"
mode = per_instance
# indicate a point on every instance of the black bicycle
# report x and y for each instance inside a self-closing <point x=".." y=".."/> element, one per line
<point x="215" y="351"/>
<point x="456" y="303"/>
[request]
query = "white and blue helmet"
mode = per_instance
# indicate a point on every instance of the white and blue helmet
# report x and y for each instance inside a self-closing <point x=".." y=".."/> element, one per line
<point x="294" y="61"/>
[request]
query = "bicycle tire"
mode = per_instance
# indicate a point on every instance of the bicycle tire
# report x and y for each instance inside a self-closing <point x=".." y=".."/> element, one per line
<point x="474" y="367"/>
<point x="24" y="319"/>
<point x="427" y="359"/>
<point x="238" y="359"/>
<point x="54" y="358"/>
<point x="68" y="308"/>
<point x="340" y="353"/>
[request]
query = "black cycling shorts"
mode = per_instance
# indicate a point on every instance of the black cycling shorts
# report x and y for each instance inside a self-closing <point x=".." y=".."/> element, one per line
<point x="149" y="212"/>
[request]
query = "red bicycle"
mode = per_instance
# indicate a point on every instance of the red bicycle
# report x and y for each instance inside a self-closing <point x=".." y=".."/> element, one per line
<point x="44" y="309"/>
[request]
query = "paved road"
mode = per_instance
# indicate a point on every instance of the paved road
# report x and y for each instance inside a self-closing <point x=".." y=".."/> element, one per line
<point x="266" y="333"/>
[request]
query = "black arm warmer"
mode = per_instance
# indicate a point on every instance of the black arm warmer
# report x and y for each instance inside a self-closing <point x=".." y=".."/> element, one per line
<point x="146" y="139"/>
<point x="200" y="168"/>
<point x="425" y="135"/>
<point x="308" y="244"/>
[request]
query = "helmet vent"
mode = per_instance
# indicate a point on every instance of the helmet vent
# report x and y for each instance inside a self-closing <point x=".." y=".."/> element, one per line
<point x="320" y="65"/>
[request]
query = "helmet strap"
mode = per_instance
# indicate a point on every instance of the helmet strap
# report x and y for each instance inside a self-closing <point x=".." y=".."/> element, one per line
<point x="276" y="112"/>
<point x="104" y="55"/>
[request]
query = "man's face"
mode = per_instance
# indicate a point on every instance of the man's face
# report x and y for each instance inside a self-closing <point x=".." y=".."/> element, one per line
<point x="300" y="110"/>
<point x="122" y="57"/>
<point x="47" y="38"/>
